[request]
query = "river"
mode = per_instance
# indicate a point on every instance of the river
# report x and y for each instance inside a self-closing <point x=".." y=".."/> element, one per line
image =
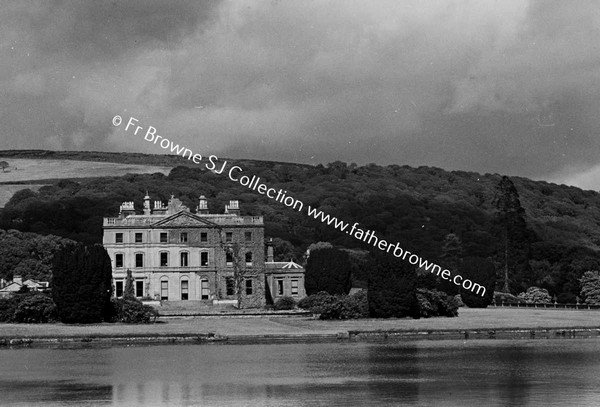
<point x="557" y="372"/>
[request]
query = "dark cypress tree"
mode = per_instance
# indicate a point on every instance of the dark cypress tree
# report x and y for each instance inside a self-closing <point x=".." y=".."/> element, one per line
<point x="82" y="284"/>
<point x="514" y="239"/>
<point x="328" y="270"/>
<point x="392" y="288"/>
<point x="480" y="271"/>
<point x="129" y="293"/>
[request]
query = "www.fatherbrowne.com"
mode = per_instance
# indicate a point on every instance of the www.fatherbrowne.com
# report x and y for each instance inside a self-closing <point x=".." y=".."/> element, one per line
<point x="253" y="183"/>
<point x="414" y="259"/>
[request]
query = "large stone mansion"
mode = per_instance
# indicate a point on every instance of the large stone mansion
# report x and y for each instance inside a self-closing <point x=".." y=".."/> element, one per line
<point x="177" y="255"/>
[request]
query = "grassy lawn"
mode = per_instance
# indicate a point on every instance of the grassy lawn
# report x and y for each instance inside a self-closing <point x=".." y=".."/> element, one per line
<point x="469" y="319"/>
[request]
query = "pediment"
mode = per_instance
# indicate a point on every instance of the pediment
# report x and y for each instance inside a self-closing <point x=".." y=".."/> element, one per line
<point x="183" y="219"/>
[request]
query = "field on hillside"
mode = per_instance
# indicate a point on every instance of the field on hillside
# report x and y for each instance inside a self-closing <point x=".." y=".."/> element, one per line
<point x="38" y="170"/>
<point x="7" y="191"/>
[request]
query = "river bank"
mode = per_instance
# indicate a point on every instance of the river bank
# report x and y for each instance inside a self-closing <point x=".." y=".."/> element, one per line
<point x="471" y="324"/>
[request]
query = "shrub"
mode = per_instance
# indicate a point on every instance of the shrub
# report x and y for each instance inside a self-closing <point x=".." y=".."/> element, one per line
<point x="459" y="300"/>
<point x="536" y="295"/>
<point x="506" y="298"/>
<point x="347" y="307"/>
<point x="433" y="303"/>
<point x="590" y="287"/>
<point x="37" y="308"/>
<point x="132" y="311"/>
<point x="316" y="302"/>
<point x="285" y="303"/>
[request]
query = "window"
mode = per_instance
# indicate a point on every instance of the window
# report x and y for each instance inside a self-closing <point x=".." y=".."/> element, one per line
<point x="164" y="290"/>
<point x="139" y="259"/>
<point x="183" y="237"/>
<point x="203" y="237"/>
<point x="248" y="258"/>
<point x="205" y="289"/>
<point x="248" y="287"/>
<point x="138" y="238"/>
<point x="248" y="236"/>
<point x="164" y="238"/>
<point x="119" y="260"/>
<point x="279" y="287"/>
<point x="229" y="259"/>
<point x="164" y="259"/>
<point x="294" y="287"/>
<point x="184" y="259"/>
<point x="204" y="259"/>
<point x="229" y="285"/>
<point x="118" y="289"/>
<point x="139" y="288"/>
<point x="184" y="290"/>
<point x="229" y="236"/>
<point x="118" y="237"/>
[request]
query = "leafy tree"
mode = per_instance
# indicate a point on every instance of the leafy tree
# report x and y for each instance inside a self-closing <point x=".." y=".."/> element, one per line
<point x="536" y="295"/>
<point x="480" y="271"/>
<point x="3" y="165"/>
<point x="129" y="292"/>
<point x="590" y="287"/>
<point x="327" y="270"/>
<point x="392" y="288"/>
<point x="319" y="245"/>
<point x="82" y="284"/>
<point x="514" y="237"/>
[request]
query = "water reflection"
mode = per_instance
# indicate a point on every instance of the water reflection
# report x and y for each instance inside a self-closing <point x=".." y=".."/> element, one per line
<point x="449" y="373"/>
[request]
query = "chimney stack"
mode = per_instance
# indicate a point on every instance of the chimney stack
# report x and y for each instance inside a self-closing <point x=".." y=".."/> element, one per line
<point x="126" y="209"/>
<point x="147" y="210"/>
<point x="233" y="208"/>
<point x="202" y="206"/>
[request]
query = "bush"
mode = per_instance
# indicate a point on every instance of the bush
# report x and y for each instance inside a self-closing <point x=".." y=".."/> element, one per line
<point x="590" y="287"/>
<point x="347" y="307"/>
<point x="506" y="298"/>
<point x="459" y="300"/>
<point x="536" y="295"/>
<point x="285" y="303"/>
<point x="132" y="311"/>
<point x="37" y="308"/>
<point x="317" y="302"/>
<point x="433" y="303"/>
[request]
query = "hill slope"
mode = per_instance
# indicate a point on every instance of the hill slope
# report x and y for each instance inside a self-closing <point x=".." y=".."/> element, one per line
<point x="418" y="207"/>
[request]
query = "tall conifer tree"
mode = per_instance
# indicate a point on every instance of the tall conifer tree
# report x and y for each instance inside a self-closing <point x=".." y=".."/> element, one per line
<point x="514" y="238"/>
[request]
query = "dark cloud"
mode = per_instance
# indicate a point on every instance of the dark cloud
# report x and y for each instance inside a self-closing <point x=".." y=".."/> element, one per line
<point x="508" y="87"/>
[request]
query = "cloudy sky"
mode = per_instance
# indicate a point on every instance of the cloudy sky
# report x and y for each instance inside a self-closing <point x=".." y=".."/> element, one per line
<point x="509" y="87"/>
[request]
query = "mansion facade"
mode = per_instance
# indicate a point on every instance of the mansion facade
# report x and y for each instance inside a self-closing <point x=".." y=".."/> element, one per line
<point x="177" y="255"/>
